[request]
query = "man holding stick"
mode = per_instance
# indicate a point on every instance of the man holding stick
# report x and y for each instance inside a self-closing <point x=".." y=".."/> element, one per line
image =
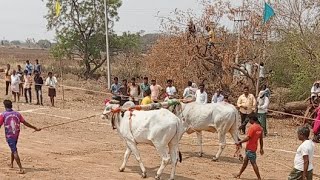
<point x="11" y="121"/>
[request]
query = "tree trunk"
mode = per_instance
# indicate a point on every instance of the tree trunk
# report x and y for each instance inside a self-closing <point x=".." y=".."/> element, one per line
<point x="87" y="71"/>
<point x="291" y="106"/>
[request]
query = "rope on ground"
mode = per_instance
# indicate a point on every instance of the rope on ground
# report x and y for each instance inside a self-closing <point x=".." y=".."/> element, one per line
<point x="288" y="114"/>
<point x="60" y="124"/>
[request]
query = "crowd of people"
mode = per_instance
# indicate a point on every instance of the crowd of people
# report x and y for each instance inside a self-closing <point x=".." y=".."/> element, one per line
<point x="20" y="82"/>
<point x="146" y="93"/>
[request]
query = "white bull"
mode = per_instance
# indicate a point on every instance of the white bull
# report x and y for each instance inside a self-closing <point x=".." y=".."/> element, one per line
<point x="219" y="117"/>
<point x="159" y="128"/>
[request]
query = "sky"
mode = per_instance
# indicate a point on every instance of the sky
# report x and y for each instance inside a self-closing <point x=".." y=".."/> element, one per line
<point x="22" y="19"/>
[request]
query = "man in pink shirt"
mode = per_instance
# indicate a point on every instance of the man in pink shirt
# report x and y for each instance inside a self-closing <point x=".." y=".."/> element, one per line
<point x="156" y="91"/>
<point x="316" y="127"/>
<point x="11" y="120"/>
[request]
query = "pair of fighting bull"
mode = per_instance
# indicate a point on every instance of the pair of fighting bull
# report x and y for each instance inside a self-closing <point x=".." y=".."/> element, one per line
<point x="164" y="127"/>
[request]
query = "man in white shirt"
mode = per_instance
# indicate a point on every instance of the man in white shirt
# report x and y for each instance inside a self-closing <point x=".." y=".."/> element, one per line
<point x="201" y="95"/>
<point x="15" y="81"/>
<point x="189" y="90"/>
<point x="217" y="97"/>
<point x="263" y="104"/>
<point x="171" y="90"/>
<point x="303" y="167"/>
<point x="315" y="90"/>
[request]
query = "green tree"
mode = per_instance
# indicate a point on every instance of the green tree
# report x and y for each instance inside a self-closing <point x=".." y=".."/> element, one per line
<point x="80" y="30"/>
<point x="43" y="43"/>
<point x="127" y="42"/>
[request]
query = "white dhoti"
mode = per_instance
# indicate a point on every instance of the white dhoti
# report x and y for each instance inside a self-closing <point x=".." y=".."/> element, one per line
<point x="15" y="88"/>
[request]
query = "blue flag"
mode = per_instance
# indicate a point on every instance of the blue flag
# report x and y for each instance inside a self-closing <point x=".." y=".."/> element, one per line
<point x="268" y="13"/>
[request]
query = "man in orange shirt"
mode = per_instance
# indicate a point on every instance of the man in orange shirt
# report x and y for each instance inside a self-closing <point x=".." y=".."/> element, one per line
<point x="255" y="133"/>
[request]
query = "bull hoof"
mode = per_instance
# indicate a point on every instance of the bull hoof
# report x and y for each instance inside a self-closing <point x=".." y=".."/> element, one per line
<point x="200" y="154"/>
<point x="121" y="169"/>
<point x="215" y="159"/>
<point x="157" y="177"/>
<point x="144" y="175"/>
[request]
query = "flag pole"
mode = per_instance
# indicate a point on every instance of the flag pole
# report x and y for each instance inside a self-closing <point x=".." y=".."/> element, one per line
<point x="107" y="44"/>
<point x="263" y="29"/>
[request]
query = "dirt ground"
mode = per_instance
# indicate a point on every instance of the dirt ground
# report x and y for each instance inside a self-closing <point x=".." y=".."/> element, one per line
<point x="90" y="149"/>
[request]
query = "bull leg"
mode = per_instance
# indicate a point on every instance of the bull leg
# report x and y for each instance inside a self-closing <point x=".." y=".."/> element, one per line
<point x="222" y="145"/>
<point x="136" y="153"/>
<point x="125" y="159"/>
<point x="173" y="149"/>
<point x="165" y="159"/>
<point x="235" y="136"/>
<point x="199" y="138"/>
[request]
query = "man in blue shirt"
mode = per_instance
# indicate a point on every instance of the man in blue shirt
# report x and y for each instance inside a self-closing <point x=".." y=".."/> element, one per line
<point x="217" y="97"/>
<point x="37" y="67"/>
<point x="29" y="67"/>
<point x="115" y="89"/>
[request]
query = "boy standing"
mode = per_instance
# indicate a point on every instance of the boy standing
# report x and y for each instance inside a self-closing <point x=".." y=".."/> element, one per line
<point x="303" y="167"/>
<point x="11" y="121"/>
<point x="52" y="83"/>
<point x="255" y="133"/>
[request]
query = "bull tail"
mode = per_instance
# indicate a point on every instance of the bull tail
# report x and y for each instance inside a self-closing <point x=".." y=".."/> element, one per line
<point x="175" y="141"/>
<point x="237" y="122"/>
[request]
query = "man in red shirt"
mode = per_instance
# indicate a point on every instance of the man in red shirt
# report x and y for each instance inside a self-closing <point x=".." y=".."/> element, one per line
<point x="255" y="133"/>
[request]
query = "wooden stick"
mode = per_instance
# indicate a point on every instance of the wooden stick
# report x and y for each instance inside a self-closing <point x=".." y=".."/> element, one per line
<point x="60" y="124"/>
<point x="61" y="71"/>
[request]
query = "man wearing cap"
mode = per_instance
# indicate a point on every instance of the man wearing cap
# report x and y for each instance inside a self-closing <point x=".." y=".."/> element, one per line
<point x="315" y="90"/>
<point x="263" y="104"/>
